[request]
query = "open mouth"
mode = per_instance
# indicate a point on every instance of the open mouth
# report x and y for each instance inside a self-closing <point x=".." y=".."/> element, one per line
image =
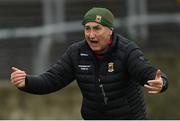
<point x="93" y="43"/>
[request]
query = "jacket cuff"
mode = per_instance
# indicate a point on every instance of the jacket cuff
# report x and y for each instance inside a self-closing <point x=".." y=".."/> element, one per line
<point x="165" y="84"/>
<point x="26" y="84"/>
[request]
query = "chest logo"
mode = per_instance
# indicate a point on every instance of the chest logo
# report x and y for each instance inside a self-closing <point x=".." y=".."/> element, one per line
<point x="110" y="67"/>
<point x="84" y="67"/>
<point x="83" y="54"/>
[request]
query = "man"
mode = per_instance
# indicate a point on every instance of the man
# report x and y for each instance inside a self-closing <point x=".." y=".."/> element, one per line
<point x="108" y="68"/>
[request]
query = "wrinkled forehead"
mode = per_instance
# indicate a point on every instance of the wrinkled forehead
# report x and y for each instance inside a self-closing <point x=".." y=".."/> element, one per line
<point x="93" y="24"/>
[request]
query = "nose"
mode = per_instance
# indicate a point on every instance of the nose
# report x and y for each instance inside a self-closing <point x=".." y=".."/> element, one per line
<point x="91" y="34"/>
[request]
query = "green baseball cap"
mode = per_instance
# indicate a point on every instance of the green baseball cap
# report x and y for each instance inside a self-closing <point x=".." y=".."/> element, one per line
<point x="102" y="16"/>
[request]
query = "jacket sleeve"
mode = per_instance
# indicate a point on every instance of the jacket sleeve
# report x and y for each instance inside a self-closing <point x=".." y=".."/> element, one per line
<point x="140" y="68"/>
<point x="57" y="77"/>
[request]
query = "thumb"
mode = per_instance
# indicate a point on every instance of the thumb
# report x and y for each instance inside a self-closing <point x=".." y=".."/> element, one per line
<point x="158" y="74"/>
<point x="14" y="69"/>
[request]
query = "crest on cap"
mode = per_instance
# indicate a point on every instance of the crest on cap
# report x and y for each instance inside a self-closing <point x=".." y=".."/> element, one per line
<point x="98" y="18"/>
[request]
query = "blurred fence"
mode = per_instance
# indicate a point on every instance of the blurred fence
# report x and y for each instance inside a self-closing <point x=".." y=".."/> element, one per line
<point x="32" y="32"/>
<point x="35" y="33"/>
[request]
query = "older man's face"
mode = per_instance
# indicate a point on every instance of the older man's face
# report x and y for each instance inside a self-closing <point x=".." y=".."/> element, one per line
<point x="97" y="37"/>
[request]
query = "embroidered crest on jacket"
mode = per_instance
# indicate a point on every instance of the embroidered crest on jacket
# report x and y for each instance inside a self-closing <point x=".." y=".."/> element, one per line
<point x="110" y="67"/>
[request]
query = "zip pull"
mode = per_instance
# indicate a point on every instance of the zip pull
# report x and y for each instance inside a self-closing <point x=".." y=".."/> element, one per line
<point x="104" y="94"/>
<point x="99" y="80"/>
<point x="105" y="100"/>
<point x="102" y="89"/>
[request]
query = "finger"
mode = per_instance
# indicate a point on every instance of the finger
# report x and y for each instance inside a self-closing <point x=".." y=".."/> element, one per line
<point x="156" y="86"/>
<point x="158" y="74"/>
<point x="153" y="92"/>
<point x="17" y="79"/>
<point x="147" y="87"/>
<point x="20" y="84"/>
<point x="17" y="75"/>
<point x="151" y="88"/>
<point x="155" y="82"/>
<point x="17" y="72"/>
<point x="14" y="69"/>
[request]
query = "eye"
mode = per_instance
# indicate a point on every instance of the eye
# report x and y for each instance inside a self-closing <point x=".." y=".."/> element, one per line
<point x="87" y="28"/>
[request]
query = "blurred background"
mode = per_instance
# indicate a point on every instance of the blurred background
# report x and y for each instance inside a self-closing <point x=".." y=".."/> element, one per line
<point x="35" y="33"/>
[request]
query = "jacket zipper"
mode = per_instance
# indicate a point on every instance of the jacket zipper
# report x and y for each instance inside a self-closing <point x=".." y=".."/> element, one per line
<point x="103" y="92"/>
<point x="100" y="84"/>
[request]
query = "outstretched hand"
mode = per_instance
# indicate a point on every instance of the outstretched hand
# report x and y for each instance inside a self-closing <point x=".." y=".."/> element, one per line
<point x="156" y="85"/>
<point x="18" y="77"/>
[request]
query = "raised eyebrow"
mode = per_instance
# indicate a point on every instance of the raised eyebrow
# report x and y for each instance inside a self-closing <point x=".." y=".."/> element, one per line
<point x="96" y="26"/>
<point x="93" y="26"/>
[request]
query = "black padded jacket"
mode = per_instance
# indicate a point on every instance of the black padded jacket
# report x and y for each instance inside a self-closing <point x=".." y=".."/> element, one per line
<point x="111" y="87"/>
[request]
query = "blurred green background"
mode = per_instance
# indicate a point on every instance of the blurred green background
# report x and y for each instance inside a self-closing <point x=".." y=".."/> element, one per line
<point x="35" y="33"/>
